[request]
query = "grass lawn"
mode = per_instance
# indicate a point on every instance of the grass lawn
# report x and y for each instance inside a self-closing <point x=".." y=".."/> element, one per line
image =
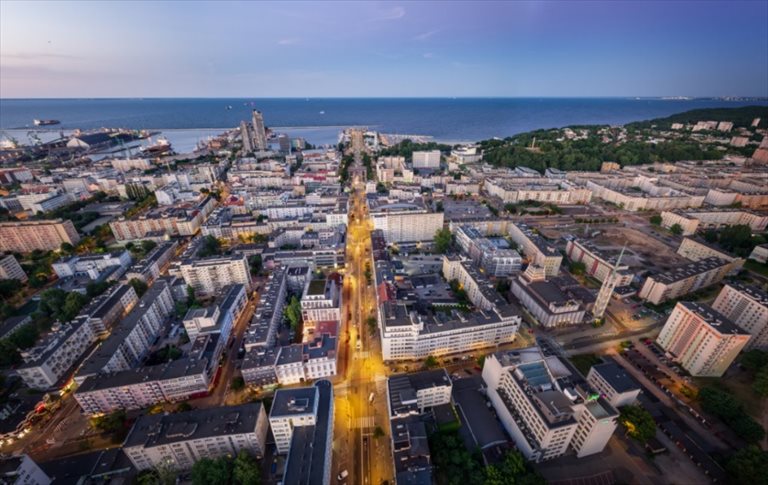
<point x="584" y="362"/>
<point x="757" y="267"/>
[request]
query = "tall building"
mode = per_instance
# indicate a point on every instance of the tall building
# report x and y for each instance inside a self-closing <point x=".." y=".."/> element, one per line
<point x="546" y="406"/>
<point x="285" y="143"/>
<point x="246" y="137"/>
<point x="179" y="440"/>
<point x="704" y="341"/>
<point x="320" y="302"/>
<point x="259" y="132"/>
<point x="310" y="451"/>
<point x="405" y="222"/>
<point x="26" y="236"/>
<point x="10" y="269"/>
<point x="430" y="159"/>
<point x="22" y="470"/>
<point x="747" y="307"/>
<point x="208" y="276"/>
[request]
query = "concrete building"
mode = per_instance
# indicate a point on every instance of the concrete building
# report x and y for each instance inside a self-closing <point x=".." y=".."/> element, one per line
<point x="538" y="250"/>
<point x="430" y="159"/>
<point x="704" y="341"/>
<point x="597" y="262"/>
<point x="546" y="406"/>
<point x="747" y="307"/>
<point x="153" y="264"/>
<point x="320" y="302"/>
<point x="306" y="361"/>
<point x="760" y="254"/>
<point x="403" y="222"/>
<point x="108" y="308"/>
<point x="259" y="132"/>
<point x="551" y="303"/>
<point x="179" y="440"/>
<point x="262" y="331"/>
<point x="219" y="317"/>
<point x="93" y="266"/>
<point x="10" y="269"/>
<point x="22" y="470"/>
<point x="614" y="384"/>
<point x="310" y="447"/>
<point x="246" y="136"/>
<point x="292" y="409"/>
<point x="691" y="221"/>
<point x="684" y="279"/>
<point x="696" y="250"/>
<point x="418" y="391"/>
<point x="209" y="275"/>
<point x="26" y="236"/>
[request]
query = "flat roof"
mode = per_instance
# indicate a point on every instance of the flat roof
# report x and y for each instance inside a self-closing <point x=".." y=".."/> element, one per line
<point x="616" y="376"/>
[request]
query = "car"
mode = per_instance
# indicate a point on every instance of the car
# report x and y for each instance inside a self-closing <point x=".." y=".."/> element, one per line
<point x="344" y="474"/>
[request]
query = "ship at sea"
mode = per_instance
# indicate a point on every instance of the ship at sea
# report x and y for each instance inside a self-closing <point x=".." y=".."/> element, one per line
<point x="45" y="122"/>
<point x="162" y="146"/>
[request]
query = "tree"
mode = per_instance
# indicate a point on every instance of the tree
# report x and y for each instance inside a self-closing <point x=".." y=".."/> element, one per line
<point x="96" y="288"/>
<point x="139" y="286"/>
<point x="255" y="263"/>
<point x="577" y="267"/>
<point x="760" y="385"/>
<point x="749" y="465"/>
<point x="110" y="423"/>
<point x="8" y="288"/>
<point x="655" y="220"/>
<point x="238" y="383"/>
<point x="66" y="248"/>
<point x="725" y="406"/>
<point x="378" y="432"/>
<point x="246" y="470"/>
<point x="754" y="360"/>
<point x="52" y="301"/>
<point x="431" y="362"/>
<point x="148" y="245"/>
<point x="293" y="313"/>
<point x="676" y="229"/>
<point x="72" y="305"/>
<point x="209" y="471"/>
<point x="183" y="407"/>
<point x="638" y="422"/>
<point x="443" y="240"/>
<point x="209" y="247"/>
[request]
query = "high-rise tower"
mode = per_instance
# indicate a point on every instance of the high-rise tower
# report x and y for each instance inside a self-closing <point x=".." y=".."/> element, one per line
<point x="604" y="295"/>
<point x="259" y="133"/>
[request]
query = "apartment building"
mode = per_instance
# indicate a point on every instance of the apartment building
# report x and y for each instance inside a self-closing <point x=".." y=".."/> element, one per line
<point x="310" y="450"/>
<point x="22" y="470"/>
<point x="696" y="250"/>
<point x="546" y="406"/>
<point x="10" y="269"/>
<point x="747" y="307"/>
<point x="614" y="384"/>
<point x="704" y="341"/>
<point x="320" y="302"/>
<point x="47" y="362"/>
<point x="549" y="191"/>
<point x="537" y="249"/>
<point x="225" y="224"/>
<point x="219" y="317"/>
<point x="405" y="222"/>
<point x="684" y="279"/>
<point x="262" y="331"/>
<point x="26" y="236"/>
<point x="183" y="219"/>
<point x="496" y="261"/>
<point x="598" y="263"/>
<point x="292" y="409"/>
<point x="130" y="340"/>
<point x="426" y="159"/>
<point x="209" y="275"/>
<point x="128" y="164"/>
<point x="150" y="268"/>
<point x="408" y="397"/>
<point x="106" y="309"/>
<point x="691" y="221"/>
<point x="179" y="440"/>
<point x="306" y="361"/>
<point x="144" y="386"/>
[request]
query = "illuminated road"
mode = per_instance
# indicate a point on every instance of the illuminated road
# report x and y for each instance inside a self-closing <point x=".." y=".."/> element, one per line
<point x="365" y="457"/>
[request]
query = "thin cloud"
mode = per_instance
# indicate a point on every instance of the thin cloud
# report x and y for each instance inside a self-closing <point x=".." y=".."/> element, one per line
<point x="392" y="14"/>
<point x="428" y="55"/>
<point x="426" y="35"/>
<point x="289" y="41"/>
<point x="31" y="56"/>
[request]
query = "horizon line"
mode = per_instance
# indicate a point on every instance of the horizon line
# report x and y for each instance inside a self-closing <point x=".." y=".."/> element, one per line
<point x="633" y="97"/>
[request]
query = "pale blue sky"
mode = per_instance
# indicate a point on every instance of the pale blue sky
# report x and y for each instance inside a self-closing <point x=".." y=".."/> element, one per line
<point x="255" y="49"/>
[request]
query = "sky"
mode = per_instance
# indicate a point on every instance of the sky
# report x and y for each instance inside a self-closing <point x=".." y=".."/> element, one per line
<point x="383" y="49"/>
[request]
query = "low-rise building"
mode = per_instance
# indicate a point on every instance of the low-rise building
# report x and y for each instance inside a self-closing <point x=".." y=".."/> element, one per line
<point x="614" y="384"/>
<point x="179" y="440"/>
<point x="320" y="302"/>
<point x="704" y="341"/>
<point x="306" y="361"/>
<point x="93" y="266"/>
<point x="553" y="303"/>
<point x="597" y="262"/>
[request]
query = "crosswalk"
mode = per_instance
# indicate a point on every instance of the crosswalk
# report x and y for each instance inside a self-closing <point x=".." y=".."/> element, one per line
<point x="365" y="422"/>
<point x="362" y="354"/>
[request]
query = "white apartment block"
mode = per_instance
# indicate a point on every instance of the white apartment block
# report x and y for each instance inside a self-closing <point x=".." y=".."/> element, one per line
<point x="540" y="190"/>
<point x="545" y="300"/>
<point x="545" y="406"/>
<point x="613" y="382"/>
<point x="179" y="440"/>
<point x="10" y="269"/>
<point x="598" y="264"/>
<point x="128" y="164"/>
<point x="684" y="279"/>
<point x="747" y="307"/>
<point x="208" y="276"/>
<point x="219" y="317"/>
<point x="307" y="361"/>
<point x="22" y="470"/>
<point x="291" y="409"/>
<point x="418" y="391"/>
<point x="704" y="341"/>
<point x="26" y="236"/>
<point x="320" y="302"/>
<point x="430" y="159"/>
<point x="537" y="249"/>
<point x="696" y="250"/>
<point x="262" y="331"/>
<point x="47" y="362"/>
<point x="691" y="221"/>
<point x="406" y="222"/>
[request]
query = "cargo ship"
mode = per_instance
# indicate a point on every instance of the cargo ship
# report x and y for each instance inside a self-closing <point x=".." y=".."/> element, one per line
<point x="162" y="146"/>
<point x="45" y="122"/>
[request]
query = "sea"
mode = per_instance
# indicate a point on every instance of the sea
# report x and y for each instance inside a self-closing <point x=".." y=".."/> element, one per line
<point x="187" y="121"/>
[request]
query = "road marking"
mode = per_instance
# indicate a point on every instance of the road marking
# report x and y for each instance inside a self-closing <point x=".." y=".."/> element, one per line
<point x="365" y="422"/>
<point x="362" y="354"/>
